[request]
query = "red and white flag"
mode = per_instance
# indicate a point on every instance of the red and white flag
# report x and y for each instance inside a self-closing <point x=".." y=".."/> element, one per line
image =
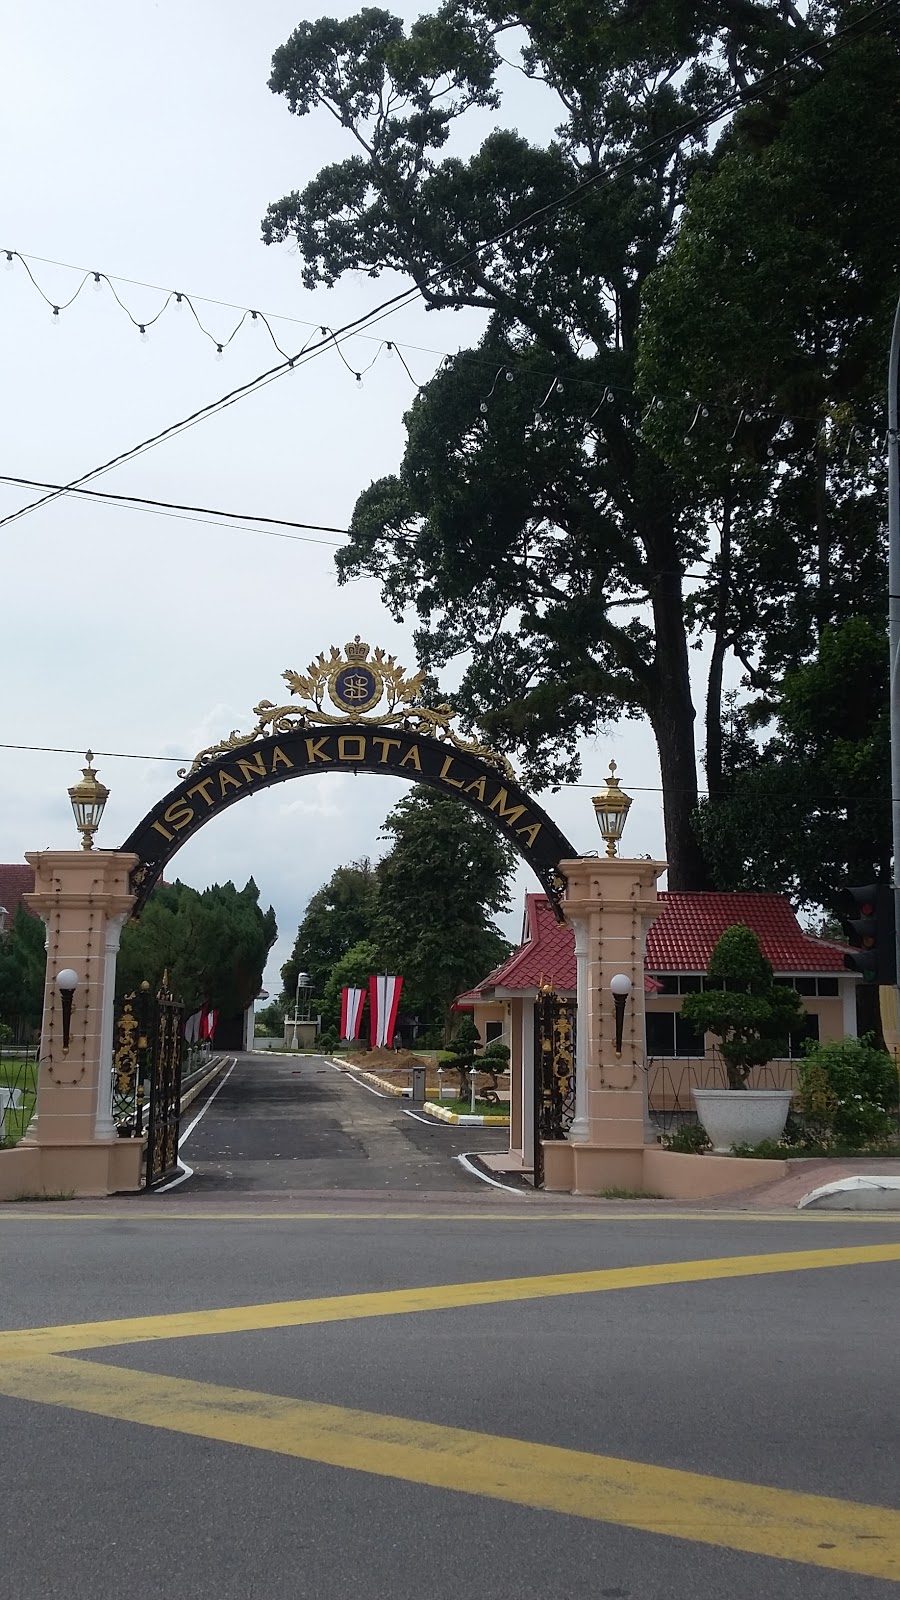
<point x="384" y="999"/>
<point x="351" y="1012"/>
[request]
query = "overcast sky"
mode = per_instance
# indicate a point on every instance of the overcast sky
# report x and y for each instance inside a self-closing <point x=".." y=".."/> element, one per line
<point x="142" y="141"/>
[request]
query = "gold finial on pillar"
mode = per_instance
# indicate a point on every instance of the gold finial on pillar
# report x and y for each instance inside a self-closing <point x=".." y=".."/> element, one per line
<point x="88" y="799"/>
<point x="611" y="808"/>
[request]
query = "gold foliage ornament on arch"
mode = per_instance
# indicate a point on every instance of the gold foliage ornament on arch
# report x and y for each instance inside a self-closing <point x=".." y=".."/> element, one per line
<point x="357" y="683"/>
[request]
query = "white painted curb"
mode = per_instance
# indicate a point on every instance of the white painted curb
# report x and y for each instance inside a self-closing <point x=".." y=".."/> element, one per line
<point x="867" y="1192"/>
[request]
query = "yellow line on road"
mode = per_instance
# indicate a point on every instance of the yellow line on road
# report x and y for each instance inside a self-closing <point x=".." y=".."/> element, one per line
<point x="163" y="1212"/>
<point x="823" y="1532"/>
<point x="21" y="1344"/>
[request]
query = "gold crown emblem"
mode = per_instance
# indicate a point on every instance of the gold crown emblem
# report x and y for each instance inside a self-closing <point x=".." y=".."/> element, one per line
<point x="356" y="652"/>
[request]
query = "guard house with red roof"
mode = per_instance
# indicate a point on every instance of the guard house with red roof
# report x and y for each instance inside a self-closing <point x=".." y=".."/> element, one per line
<point x="679" y="945"/>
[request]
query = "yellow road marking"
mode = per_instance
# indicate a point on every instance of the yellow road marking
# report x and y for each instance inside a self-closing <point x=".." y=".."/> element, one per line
<point x="820" y="1531"/>
<point x="20" y="1344"/>
<point x="10" y="1212"/>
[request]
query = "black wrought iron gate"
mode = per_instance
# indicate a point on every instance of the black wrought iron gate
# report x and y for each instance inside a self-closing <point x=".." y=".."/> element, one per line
<point x="149" y="1048"/>
<point x="554" y="1072"/>
<point x="165" y="1087"/>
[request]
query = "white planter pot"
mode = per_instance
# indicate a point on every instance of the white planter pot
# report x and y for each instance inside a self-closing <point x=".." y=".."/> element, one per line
<point x="741" y="1116"/>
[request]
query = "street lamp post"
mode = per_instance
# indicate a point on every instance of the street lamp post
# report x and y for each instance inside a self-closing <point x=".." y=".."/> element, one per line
<point x="88" y="799"/>
<point x="611" y="808"/>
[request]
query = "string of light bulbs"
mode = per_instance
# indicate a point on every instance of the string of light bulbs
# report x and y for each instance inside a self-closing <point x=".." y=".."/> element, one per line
<point x="558" y="380"/>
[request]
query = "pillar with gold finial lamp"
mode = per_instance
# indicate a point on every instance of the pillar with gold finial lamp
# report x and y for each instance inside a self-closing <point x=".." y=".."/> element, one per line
<point x="611" y="807"/>
<point x="88" y="799"/>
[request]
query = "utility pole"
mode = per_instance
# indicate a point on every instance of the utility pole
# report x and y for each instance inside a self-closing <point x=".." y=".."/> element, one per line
<point x="894" y="611"/>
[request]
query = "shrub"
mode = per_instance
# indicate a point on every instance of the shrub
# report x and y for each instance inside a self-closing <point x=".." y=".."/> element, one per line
<point x="688" y="1140"/>
<point x="751" y="1014"/>
<point x="847" y="1091"/>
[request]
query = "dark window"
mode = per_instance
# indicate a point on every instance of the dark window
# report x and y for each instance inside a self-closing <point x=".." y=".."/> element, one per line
<point x="805" y="985"/>
<point x="660" y="1033"/>
<point x="691" y="985"/>
<point x="828" y="986"/>
<point x="668" y="982"/>
<point x="492" y="1030"/>
<point x="810" y="1030"/>
<point x="713" y="983"/>
<point x="688" y="1042"/>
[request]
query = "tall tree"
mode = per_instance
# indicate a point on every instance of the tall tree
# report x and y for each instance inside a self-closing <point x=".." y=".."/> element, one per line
<point x="808" y="812"/>
<point x="537" y="524"/>
<point x="774" y="309"/>
<point x="338" y="916"/>
<point x="443" y="880"/>
<point x="23" y="964"/>
<point x="213" y="944"/>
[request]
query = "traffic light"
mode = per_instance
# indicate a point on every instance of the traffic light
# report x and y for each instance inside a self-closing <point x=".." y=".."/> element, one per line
<point x="872" y="934"/>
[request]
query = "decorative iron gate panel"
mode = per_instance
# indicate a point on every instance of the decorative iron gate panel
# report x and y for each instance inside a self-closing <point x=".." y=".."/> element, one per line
<point x="131" y="1062"/>
<point x="165" y="1087"/>
<point x="554" y="1072"/>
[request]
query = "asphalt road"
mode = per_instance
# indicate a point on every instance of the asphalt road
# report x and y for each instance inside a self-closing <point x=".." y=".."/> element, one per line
<point x="398" y="1400"/>
<point x="285" y="1123"/>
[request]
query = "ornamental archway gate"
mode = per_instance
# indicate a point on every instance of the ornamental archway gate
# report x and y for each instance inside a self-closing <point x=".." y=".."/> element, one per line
<point x="354" y="710"/>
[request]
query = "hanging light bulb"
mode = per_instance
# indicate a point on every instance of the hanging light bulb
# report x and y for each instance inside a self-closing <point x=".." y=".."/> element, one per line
<point x="389" y="349"/>
<point x="219" y="352"/>
<point x="55" y="322"/>
<point x="178" y="298"/>
<point x="256" y="320"/>
<point x="483" y="408"/>
<point x="510" y="376"/>
<point x="96" y="283"/>
<point x="145" y="337"/>
<point x="7" y="261"/>
<point x="359" y="382"/>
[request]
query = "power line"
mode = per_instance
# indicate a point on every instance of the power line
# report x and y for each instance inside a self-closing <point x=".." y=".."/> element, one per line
<point x="143" y="503"/>
<point x="633" y="161"/>
<point x="597" y="784"/>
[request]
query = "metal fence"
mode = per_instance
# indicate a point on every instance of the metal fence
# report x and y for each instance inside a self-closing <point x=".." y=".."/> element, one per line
<point x="670" y="1080"/>
<point x="18" y="1090"/>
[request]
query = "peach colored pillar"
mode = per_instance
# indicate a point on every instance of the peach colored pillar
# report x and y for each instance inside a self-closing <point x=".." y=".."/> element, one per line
<point x="84" y="900"/>
<point x="610" y="904"/>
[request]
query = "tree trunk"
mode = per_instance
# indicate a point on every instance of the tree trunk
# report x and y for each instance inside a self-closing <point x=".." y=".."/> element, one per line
<point x="713" y="762"/>
<point x="672" y="719"/>
<point x="823" y="532"/>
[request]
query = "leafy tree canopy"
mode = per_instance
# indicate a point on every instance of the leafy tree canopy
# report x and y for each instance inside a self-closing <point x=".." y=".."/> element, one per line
<point x="809" y="811"/>
<point x="424" y="912"/>
<point x="541" y="520"/>
<point x="338" y="916"/>
<point x="23" y="965"/>
<point x="213" y="944"/>
<point x="445" y="876"/>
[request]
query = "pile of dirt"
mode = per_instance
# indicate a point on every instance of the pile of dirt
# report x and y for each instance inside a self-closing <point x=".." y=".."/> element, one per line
<point x="371" y="1060"/>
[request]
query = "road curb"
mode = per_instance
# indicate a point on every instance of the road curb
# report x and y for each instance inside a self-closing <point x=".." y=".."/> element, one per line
<point x="428" y="1106"/>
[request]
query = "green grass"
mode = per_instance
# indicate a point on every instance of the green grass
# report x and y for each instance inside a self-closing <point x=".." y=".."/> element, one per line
<point x="483" y="1108"/>
<point x="629" y="1194"/>
<point x="17" y="1073"/>
<point x="43" y="1194"/>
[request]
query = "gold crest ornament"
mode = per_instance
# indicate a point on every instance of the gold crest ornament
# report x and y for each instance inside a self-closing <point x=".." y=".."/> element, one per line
<point x="367" y="689"/>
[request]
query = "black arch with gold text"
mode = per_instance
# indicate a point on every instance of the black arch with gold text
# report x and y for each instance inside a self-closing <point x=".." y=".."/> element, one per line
<point x="357" y="748"/>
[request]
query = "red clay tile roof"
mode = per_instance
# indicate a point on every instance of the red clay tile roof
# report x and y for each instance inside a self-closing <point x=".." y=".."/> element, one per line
<point x="680" y="940"/>
<point x="15" y="880"/>
<point x="683" y="937"/>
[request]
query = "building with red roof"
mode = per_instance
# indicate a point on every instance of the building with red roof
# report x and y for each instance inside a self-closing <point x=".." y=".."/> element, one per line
<point x="679" y="944"/>
<point x="15" y="882"/>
